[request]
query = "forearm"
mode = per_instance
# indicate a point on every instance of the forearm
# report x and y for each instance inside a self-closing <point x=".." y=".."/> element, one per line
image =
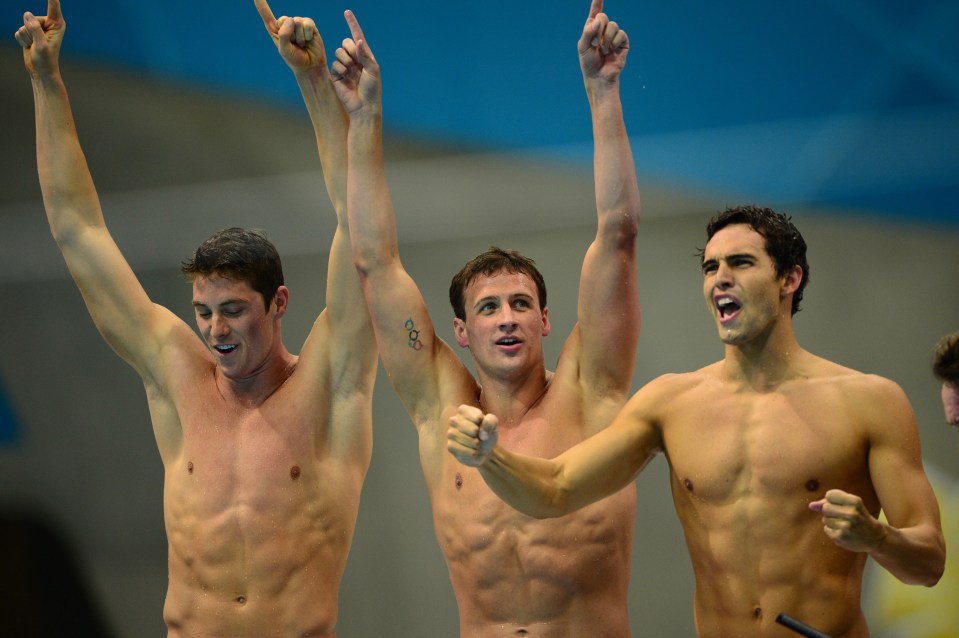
<point x="69" y="195"/>
<point x="914" y="555"/>
<point x="372" y="223"/>
<point x="528" y="484"/>
<point x="330" y="126"/>
<point x="617" y="192"/>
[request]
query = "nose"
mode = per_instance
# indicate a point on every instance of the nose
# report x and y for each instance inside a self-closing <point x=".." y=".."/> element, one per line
<point x="218" y="326"/>
<point x="506" y="319"/>
<point x="724" y="276"/>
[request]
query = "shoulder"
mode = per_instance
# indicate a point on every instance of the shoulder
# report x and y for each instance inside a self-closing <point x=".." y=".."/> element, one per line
<point x="856" y="385"/>
<point x="875" y="401"/>
<point x="675" y="389"/>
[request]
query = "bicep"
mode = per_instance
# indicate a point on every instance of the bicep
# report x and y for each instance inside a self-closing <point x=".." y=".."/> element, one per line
<point x="120" y="308"/>
<point x="608" y="313"/>
<point x="895" y="464"/>
<point x="415" y="359"/>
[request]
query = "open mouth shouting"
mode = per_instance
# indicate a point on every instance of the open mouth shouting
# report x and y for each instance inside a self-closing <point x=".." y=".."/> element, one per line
<point x="509" y="343"/>
<point x="727" y="308"/>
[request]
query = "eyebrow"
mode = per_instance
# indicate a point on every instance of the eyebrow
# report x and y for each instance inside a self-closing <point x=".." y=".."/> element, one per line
<point x="228" y="302"/>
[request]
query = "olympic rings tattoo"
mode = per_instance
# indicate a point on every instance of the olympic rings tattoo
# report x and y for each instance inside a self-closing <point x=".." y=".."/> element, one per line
<point x="414" y="335"/>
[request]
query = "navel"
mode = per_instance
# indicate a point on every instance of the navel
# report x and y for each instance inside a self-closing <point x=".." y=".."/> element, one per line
<point x="189" y="467"/>
<point x="758" y="612"/>
<point x="812" y="485"/>
<point x="241" y="600"/>
<point x="688" y="484"/>
<point x="295" y="472"/>
<point x="459" y="481"/>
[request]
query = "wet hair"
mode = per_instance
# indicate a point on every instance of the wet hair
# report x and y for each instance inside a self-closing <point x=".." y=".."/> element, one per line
<point x="945" y="362"/>
<point x="492" y="261"/>
<point x="784" y="243"/>
<point x="241" y="254"/>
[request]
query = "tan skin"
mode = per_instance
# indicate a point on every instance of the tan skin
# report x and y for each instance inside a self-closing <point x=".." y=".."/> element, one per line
<point x="779" y="463"/>
<point x="263" y="463"/>
<point x="512" y="575"/>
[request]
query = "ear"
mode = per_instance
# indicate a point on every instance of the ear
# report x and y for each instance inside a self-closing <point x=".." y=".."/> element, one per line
<point x="459" y="329"/>
<point x="281" y="300"/>
<point x="546" y="326"/>
<point x="791" y="280"/>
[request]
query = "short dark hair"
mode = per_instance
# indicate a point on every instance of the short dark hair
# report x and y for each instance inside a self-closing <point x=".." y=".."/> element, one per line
<point x="242" y="254"/>
<point x="784" y="243"/>
<point x="945" y="362"/>
<point x="491" y="261"/>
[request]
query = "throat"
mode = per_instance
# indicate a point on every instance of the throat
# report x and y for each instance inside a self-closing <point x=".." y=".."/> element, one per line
<point x="511" y="405"/>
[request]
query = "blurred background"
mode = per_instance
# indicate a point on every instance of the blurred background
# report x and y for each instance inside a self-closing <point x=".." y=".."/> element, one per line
<point x="842" y="113"/>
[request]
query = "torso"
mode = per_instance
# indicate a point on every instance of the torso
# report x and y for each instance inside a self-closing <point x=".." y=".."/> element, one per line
<point x="744" y="466"/>
<point x="259" y="515"/>
<point x="514" y="575"/>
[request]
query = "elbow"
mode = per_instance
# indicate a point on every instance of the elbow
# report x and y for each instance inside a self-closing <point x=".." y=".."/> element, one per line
<point x="622" y="227"/>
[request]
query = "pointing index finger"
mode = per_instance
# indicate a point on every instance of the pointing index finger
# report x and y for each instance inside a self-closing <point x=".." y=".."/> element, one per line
<point x="53" y="10"/>
<point x="595" y="9"/>
<point x="269" y="20"/>
<point x="355" y="29"/>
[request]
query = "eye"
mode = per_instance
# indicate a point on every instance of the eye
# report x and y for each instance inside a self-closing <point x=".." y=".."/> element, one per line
<point x="709" y="267"/>
<point x="522" y="303"/>
<point x="202" y="314"/>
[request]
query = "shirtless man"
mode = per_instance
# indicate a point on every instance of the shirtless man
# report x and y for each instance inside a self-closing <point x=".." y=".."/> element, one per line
<point x="946" y="368"/>
<point x="757" y="444"/>
<point x="263" y="460"/>
<point x="512" y="575"/>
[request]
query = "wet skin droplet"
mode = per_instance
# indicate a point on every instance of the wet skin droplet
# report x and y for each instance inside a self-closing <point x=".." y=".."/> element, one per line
<point x="688" y="484"/>
<point x="459" y="480"/>
<point x="812" y="485"/>
<point x="189" y="467"/>
<point x="295" y="472"/>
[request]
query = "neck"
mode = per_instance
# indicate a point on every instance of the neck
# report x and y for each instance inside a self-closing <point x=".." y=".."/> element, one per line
<point x="766" y="361"/>
<point x="510" y="400"/>
<point x="254" y="388"/>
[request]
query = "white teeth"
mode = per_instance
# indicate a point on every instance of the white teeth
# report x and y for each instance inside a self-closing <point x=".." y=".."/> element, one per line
<point x="723" y="301"/>
<point x="225" y="348"/>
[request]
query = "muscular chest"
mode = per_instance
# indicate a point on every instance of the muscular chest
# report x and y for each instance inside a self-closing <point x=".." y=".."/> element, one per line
<point x="233" y="455"/>
<point x="723" y="448"/>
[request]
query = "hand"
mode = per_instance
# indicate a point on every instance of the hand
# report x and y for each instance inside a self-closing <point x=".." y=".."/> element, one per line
<point x="602" y="47"/>
<point x="297" y="39"/>
<point x="40" y="38"/>
<point x="847" y="522"/>
<point x="472" y="435"/>
<point x="356" y="75"/>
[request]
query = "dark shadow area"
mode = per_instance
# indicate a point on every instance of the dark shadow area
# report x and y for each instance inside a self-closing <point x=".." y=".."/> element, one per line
<point x="45" y="593"/>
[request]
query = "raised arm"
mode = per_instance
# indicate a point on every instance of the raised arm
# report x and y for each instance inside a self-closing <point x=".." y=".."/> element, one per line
<point x="413" y="356"/>
<point x="343" y="331"/>
<point x="133" y="326"/>
<point x="587" y="472"/>
<point x="350" y="342"/>
<point x="608" y="309"/>
<point x="910" y="544"/>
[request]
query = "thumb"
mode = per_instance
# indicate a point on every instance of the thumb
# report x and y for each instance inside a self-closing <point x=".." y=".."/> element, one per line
<point x="816" y="506"/>
<point x="488" y="428"/>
